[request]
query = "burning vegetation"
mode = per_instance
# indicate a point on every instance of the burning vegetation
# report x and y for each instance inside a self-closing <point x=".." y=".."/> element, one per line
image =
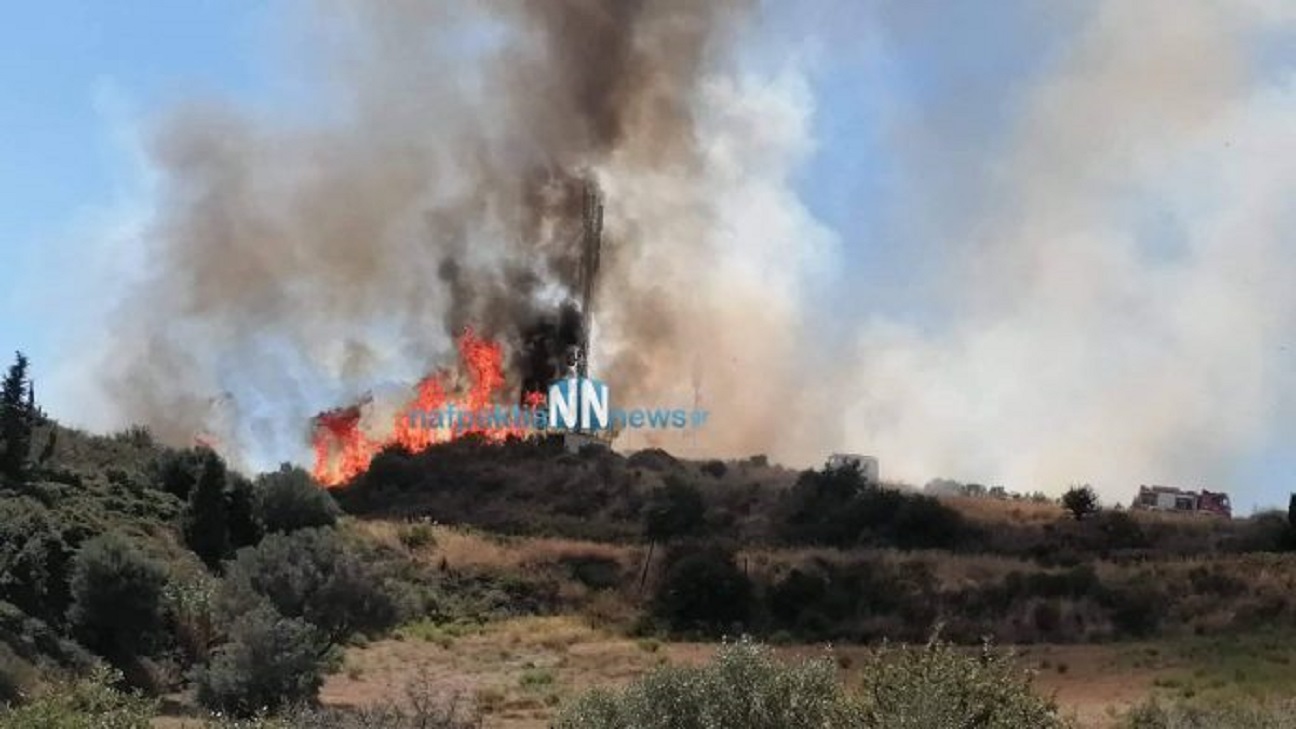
<point x="343" y="440"/>
<point x="344" y="446"/>
<point x="299" y="259"/>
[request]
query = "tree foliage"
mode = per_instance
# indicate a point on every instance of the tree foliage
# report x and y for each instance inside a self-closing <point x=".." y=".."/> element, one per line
<point x="90" y="703"/>
<point x="744" y="686"/>
<point x="177" y="471"/>
<point x="674" y="510"/>
<point x="747" y="686"/>
<point x="243" y="525"/>
<point x="17" y="417"/>
<point x="206" y="519"/>
<point x="705" y="591"/>
<point x="840" y="507"/>
<point x="938" y="685"/>
<point x="1080" y="501"/>
<point x="117" y="598"/>
<point x="270" y="662"/>
<point x="313" y="575"/>
<point x="289" y="499"/>
<point x="34" y="559"/>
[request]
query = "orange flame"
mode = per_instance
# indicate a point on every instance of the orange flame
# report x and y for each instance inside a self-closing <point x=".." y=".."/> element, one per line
<point x="343" y="450"/>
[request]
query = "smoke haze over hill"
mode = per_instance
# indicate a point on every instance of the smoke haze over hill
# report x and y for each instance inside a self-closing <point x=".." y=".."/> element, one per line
<point x="1102" y="294"/>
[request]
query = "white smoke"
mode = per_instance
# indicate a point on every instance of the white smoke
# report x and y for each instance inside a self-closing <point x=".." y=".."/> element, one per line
<point x="1085" y="344"/>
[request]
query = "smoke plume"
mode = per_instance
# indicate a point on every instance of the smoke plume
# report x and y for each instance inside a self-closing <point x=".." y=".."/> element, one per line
<point x="303" y="262"/>
<point x="1119" y="309"/>
<point x="1103" y="294"/>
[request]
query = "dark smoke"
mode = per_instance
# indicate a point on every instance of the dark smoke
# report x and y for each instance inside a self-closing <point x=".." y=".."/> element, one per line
<point x="443" y="190"/>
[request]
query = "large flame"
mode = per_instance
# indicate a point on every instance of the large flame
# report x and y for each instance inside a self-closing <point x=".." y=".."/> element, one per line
<point x="343" y="449"/>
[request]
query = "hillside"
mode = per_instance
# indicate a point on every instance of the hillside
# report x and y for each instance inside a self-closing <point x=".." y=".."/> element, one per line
<point x="465" y="544"/>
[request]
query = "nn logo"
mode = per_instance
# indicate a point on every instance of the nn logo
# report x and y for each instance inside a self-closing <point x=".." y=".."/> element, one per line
<point x="578" y="403"/>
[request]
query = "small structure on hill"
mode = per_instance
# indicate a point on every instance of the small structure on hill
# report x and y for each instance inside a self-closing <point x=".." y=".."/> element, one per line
<point x="1170" y="498"/>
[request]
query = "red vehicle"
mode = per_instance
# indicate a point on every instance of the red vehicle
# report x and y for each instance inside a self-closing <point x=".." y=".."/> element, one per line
<point x="1169" y="498"/>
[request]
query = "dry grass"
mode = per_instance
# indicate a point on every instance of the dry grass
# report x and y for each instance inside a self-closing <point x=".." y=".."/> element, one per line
<point x="986" y="510"/>
<point x="466" y="548"/>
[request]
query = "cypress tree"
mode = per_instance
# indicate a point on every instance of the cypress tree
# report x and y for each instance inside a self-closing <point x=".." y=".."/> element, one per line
<point x="15" y="421"/>
<point x="206" y="528"/>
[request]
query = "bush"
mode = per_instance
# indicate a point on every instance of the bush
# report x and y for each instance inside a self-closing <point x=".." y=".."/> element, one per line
<point x="840" y="507"/>
<point x="704" y="591"/>
<point x="1252" y="715"/>
<point x="744" y="686"/>
<point x="190" y="610"/>
<point x="313" y="575"/>
<point x="1120" y="530"/>
<point x="417" y="536"/>
<point x="242" y="521"/>
<point x="16" y="676"/>
<point x="674" y="510"/>
<point x="1081" y="501"/>
<point x="117" y="598"/>
<point x="34" y="559"/>
<point x="87" y="704"/>
<point x="288" y="500"/>
<point x="923" y="522"/>
<point x="1136" y="609"/>
<point x="715" y="469"/>
<point x="938" y="686"/>
<point x="270" y="662"/>
<point x="35" y="642"/>
<point x="176" y="472"/>
<point x="593" y="571"/>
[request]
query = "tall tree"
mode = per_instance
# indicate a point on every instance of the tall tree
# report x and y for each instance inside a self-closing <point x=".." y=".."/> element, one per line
<point x="15" y="421"/>
<point x="206" y="528"/>
<point x="34" y="411"/>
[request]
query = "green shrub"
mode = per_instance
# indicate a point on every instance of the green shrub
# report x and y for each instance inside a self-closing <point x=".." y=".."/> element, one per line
<point x="311" y="574"/>
<point x="704" y="591"/>
<point x="536" y="678"/>
<point x="1120" y="530"/>
<point x="937" y="685"/>
<point x="32" y="640"/>
<point x="288" y="500"/>
<point x="87" y="704"/>
<point x="1080" y="501"/>
<point x="190" y="608"/>
<point x="1136" y="608"/>
<point x="16" y="676"/>
<point x="840" y="507"/>
<point x="34" y="559"/>
<point x="117" y="598"/>
<point x="1153" y="714"/>
<point x="269" y="663"/>
<point x="744" y="686"/>
<point x="177" y="471"/>
<point x="674" y="510"/>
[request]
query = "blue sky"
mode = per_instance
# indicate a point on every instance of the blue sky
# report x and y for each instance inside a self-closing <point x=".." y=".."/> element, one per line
<point x="71" y="71"/>
<point x="913" y="100"/>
